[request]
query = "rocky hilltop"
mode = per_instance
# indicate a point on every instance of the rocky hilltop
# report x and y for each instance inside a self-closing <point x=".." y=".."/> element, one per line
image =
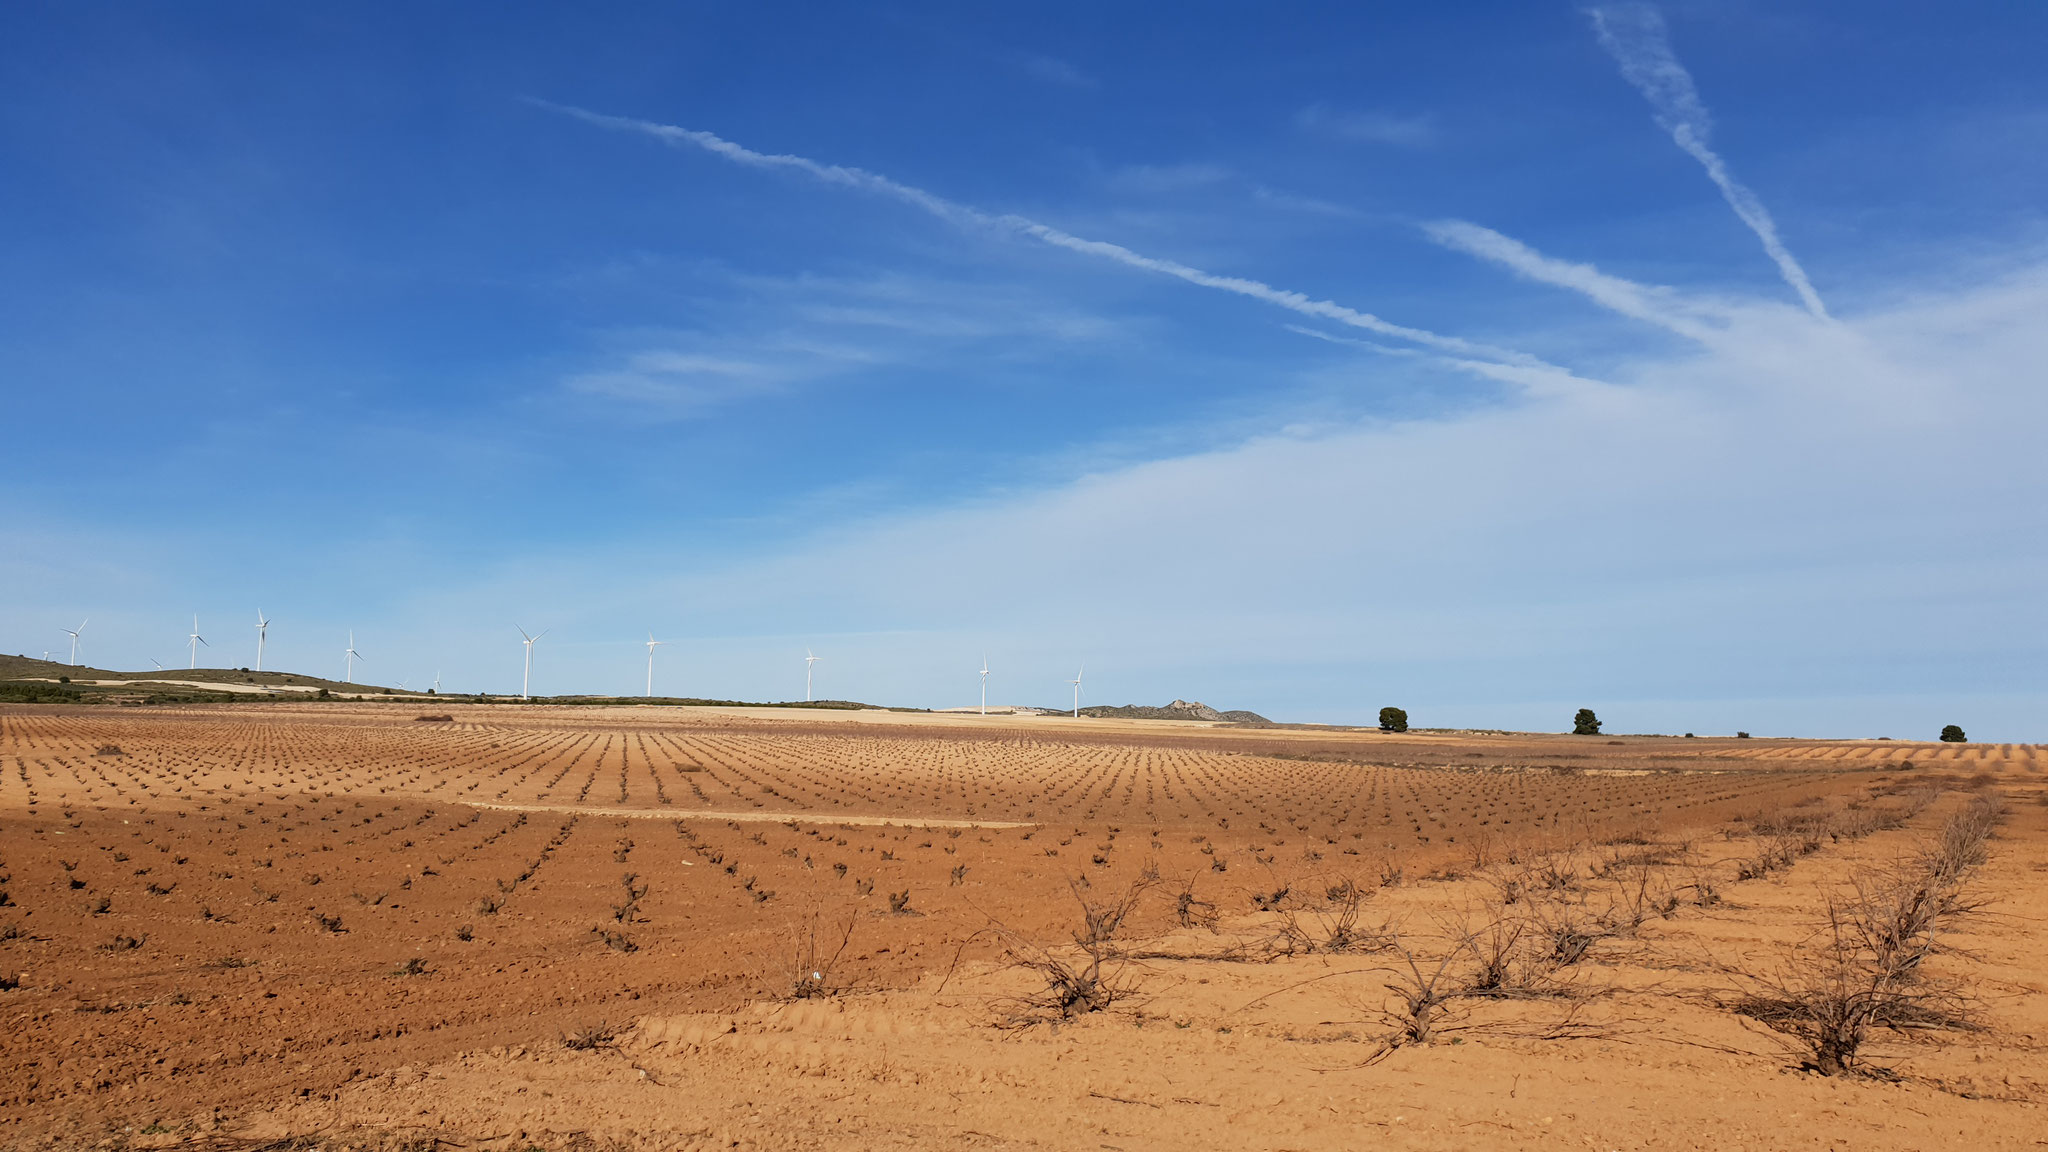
<point x="1178" y="710"/>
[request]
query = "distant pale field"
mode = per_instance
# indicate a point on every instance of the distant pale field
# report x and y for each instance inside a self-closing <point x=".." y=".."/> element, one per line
<point x="274" y="919"/>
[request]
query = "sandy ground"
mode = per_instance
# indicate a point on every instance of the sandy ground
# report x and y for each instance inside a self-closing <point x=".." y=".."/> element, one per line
<point x="238" y="924"/>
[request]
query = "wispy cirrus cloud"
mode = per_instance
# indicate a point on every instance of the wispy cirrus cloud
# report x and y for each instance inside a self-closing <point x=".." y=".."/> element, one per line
<point x="962" y="215"/>
<point x="680" y="381"/>
<point x="1635" y="35"/>
<point x="1367" y="126"/>
<point x="769" y="335"/>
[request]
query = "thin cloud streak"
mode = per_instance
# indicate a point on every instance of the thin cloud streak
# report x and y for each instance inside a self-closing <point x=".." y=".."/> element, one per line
<point x="1661" y="306"/>
<point x="963" y="216"/>
<point x="1634" y="34"/>
<point x="1538" y="382"/>
<point x="1367" y="127"/>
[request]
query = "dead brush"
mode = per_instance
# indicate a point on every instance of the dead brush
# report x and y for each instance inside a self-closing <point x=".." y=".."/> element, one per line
<point x="1962" y="843"/>
<point x="1564" y="932"/>
<point x="816" y="957"/>
<point x="616" y="941"/>
<point x="591" y="1037"/>
<point x="1625" y="859"/>
<point x="1334" y="923"/>
<point x="1767" y="855"/>
<point x="1828" y="994"/>
<point x="1422" y="993"/>
<point x="1510" y="884"/>
<point x="1190" y="910"/>
<point x="1863" y="968"/>
<point x="1095" y="973"/>
<point x="1507" y="962"/>
<point x="1638" y="895"/>
<point x="1555" y="872"/>
<point x="1507" y="957"/>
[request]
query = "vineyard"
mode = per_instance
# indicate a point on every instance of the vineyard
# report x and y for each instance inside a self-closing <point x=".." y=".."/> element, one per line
<point x="216" y="908"/>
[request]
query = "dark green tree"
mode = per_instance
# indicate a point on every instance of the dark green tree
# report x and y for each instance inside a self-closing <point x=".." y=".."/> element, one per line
<point x="1585" y="723"/>
<point x="1393" y="720"/>
<point x="1953" y="734"/>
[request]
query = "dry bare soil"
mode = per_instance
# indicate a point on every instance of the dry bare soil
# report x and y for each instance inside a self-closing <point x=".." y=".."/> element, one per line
<point x="515" y="927"/>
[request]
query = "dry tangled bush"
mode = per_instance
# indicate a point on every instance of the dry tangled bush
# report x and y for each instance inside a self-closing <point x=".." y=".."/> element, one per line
<point x="1505" y="957"/>
<point x="1783" y="838"/>
<point x="816" y="959"/>
<point x="1190" y="910"/>
<point x="1097" y="971"/>
<point x="1863" y="968"/>
<point x="589" y="1037"/>
<point x="1421" y="991"/>
<point x="1330" y="917"/>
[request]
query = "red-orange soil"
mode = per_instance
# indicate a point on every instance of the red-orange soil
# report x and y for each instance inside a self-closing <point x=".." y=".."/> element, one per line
<point x="238" y="924"/>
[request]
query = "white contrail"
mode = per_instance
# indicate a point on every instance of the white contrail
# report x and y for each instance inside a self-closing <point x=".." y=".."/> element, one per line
<point x="1635" y="36"/>
<point x="1657" y="305"/>
<point x="1544" y="381"/>
<point x="961" y="214"/>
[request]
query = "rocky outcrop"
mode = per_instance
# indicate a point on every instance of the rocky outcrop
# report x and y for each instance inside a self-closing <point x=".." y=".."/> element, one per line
<point x="1178" y="710"/>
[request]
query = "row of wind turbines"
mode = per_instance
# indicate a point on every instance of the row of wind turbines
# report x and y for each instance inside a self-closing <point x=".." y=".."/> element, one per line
<point x="194" y="640"/>
<point x="349" y="657"/>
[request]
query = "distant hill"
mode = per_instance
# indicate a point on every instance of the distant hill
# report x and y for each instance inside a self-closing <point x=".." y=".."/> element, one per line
<point x="1178" y="710"/>
<point x="25" y="680"/>
<point x="26" y="668"/>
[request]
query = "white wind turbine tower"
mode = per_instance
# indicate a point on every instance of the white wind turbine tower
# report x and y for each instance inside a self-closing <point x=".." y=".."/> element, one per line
<point x="527" y="675"/>
<point x="195" y="640"/>
<point x="437" y="681"/>
<point x="808" y="661"/>
<point x="984" y="683"/>
<point x="1076" y="682"/>
<point x="349" y="658"/>
<point x="262" y="634"/>
<point x="73" y="633"/>
<point x="652" y="644"/>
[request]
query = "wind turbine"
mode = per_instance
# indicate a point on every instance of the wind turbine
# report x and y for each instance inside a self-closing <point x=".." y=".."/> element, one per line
<point x="349" y="658"/>
<point x="527" y="675"/>
<point x="1076" y="682"/>
<point x="652" y="644"/>
<point x="194" y="640"/>
<point x="437" y="681"/>
<point x="808" y="661"/>
<point x="73" y="633"/>
<point x="984" y="683"/>
<point x="262" y="634"/>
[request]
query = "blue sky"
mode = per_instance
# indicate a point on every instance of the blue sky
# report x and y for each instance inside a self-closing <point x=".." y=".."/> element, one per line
<point x="1431" y="365"/>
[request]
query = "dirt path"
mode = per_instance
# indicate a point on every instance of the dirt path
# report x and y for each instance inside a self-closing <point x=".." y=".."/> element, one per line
<point x="757" y="817"/>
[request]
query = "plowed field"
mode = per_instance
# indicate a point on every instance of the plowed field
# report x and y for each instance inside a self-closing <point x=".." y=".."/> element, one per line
<point x="221" y="919"/>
